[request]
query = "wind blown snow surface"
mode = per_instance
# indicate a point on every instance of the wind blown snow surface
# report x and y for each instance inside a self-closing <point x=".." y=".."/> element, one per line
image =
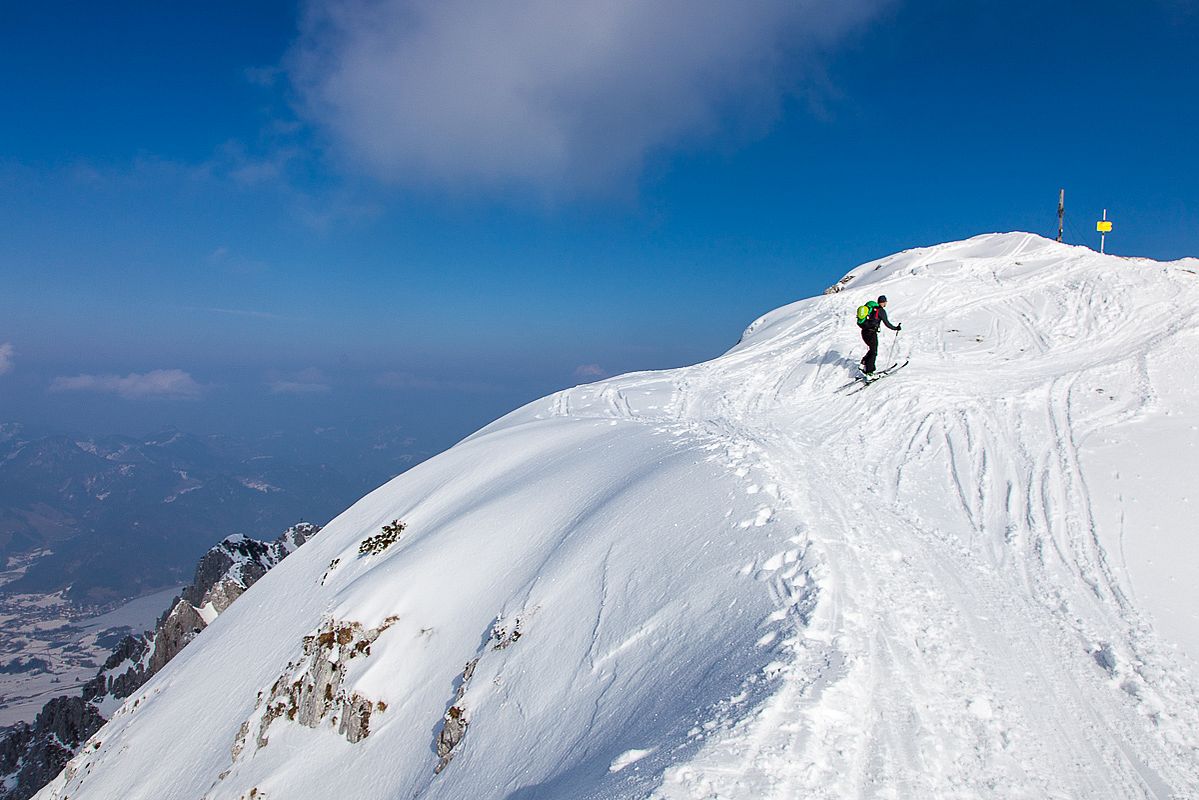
<point x="975" y="578"/>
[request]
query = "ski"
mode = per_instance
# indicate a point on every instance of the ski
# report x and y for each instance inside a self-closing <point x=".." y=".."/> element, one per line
<point x="861" y="378"/>
<point x="879" y="375"/>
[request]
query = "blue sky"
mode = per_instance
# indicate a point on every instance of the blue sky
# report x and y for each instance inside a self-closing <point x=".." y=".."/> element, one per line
<point x="234" y="216"/>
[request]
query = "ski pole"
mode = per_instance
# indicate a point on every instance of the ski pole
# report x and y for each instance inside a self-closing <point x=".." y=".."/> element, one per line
<point x="895" y="341"/>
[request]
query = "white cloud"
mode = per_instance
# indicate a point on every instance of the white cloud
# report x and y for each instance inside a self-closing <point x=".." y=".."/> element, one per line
<point x="306" y="381"/>
<point x="164" y="383"/>
<point x="7" y="351"/>
<point x="557" y="94"/>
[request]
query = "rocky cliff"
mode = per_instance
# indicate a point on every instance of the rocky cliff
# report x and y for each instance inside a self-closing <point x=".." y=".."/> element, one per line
<point x="33" y="754"/>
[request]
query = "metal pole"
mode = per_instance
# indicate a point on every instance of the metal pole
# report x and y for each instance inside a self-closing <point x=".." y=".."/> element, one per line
<point x="1061" y="213"/>
<point x="1103" y="234"/>
<point x="891" y="358"/>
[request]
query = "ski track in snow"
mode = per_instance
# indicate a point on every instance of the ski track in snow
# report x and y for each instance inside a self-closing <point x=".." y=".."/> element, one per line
<point x="947" y="621"/>
<point x="890" y="693"/>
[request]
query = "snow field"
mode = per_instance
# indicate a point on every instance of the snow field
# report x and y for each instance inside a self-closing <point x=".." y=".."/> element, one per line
<point x="976" y="672"/>
<point x="731" y="581"/>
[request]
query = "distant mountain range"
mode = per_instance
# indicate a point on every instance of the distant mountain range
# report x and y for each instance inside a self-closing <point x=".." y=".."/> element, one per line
<point x="113" y="517"/>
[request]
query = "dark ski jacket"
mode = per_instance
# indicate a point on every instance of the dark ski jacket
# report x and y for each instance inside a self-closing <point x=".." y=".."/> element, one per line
<point x="878" y="316"/>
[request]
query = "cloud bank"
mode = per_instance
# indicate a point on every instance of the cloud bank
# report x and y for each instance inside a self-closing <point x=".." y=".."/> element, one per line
<point x="554" y="94"/>
<point x="159" y="383"/>
<point x="306" y="381"/>
<point x="7" y="351"/>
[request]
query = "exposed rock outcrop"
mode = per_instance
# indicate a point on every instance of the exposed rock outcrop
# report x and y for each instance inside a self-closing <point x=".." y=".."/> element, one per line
<point x="504" y="634"/>
<point x="175" y="631"/>
<point x="310" y="691"/>
<point x="31" y="755"/>
<point x="222" y="575"/>
<point x="454" y="723"/>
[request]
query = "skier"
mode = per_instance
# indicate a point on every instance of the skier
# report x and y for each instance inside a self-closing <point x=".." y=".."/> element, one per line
<point x="870" y="317"/>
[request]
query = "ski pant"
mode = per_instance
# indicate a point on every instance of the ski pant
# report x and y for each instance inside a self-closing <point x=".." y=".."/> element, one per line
<point x="870" y="337"/>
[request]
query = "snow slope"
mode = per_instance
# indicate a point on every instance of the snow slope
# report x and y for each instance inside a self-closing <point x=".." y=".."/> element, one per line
<point x="976" y="578"/>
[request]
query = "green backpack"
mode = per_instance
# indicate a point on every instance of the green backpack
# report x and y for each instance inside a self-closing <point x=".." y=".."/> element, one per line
<point x="865" y="311"/>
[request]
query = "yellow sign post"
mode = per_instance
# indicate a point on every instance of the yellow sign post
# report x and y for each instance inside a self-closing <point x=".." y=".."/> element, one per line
<point x="1104" y="227"/>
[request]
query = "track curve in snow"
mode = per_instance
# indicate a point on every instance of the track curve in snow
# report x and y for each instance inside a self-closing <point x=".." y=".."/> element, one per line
<point x="733" y="581"/>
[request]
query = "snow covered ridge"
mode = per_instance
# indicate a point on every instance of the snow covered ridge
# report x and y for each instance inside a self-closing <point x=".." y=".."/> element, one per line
<point x="222" y="575"/>
<point x="31" y="755"/>
<point x="730" y="581"/>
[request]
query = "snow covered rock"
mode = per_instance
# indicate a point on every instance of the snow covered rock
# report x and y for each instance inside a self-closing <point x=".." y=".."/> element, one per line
<point x="310" y="692"/>
<point x="733" y="581"/>
<point x="32" y="755"/>
<point x="223" y="574"/>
